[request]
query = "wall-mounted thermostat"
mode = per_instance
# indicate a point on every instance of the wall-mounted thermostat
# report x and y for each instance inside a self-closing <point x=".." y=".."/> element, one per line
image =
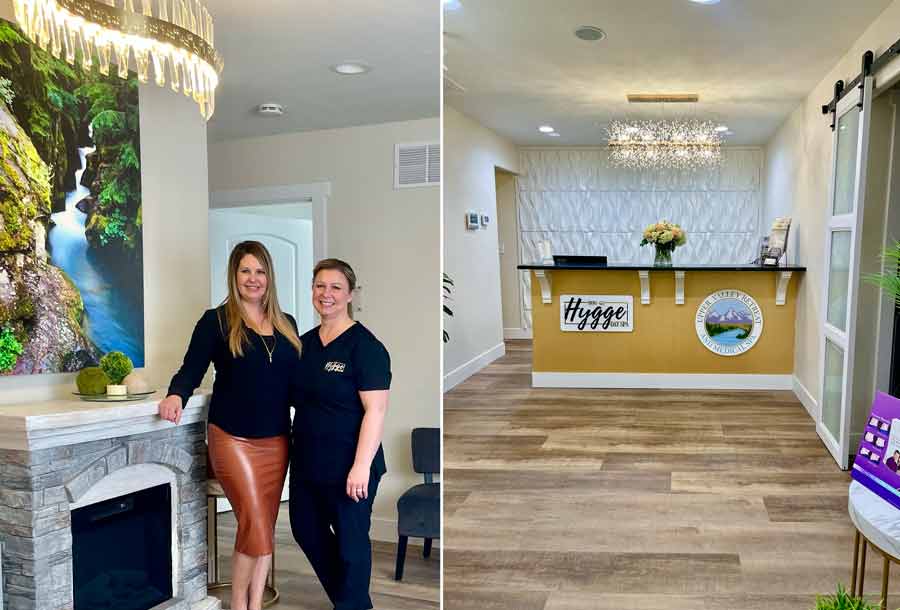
<point x="472" y="220"/>
<point x="485" y="221"/>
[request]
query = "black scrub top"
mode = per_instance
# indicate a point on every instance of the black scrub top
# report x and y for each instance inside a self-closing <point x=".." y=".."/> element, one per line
<point x="250" y="396"/>
<point x="329" y="410"/>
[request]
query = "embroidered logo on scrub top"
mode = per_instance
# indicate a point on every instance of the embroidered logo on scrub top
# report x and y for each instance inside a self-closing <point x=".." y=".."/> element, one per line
<point x="335" y="367"/>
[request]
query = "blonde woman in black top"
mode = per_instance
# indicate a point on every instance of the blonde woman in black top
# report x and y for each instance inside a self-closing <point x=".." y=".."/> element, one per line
<point x="255" y="350"/>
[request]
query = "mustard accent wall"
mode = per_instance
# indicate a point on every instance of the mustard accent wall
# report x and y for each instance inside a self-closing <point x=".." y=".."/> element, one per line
<point x="664" y="338"/>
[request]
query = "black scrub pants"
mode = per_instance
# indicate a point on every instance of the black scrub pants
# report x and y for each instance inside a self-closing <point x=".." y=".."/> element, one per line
<point x="342" y="558"/>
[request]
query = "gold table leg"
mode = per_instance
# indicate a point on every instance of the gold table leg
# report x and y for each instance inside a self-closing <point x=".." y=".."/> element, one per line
<point x="853" y="574"/>
<point x="885" y="574"/>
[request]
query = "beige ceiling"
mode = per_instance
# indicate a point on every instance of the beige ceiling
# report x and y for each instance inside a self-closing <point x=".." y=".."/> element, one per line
<point x="280" y="51"/>
<point x="751" y="61"/>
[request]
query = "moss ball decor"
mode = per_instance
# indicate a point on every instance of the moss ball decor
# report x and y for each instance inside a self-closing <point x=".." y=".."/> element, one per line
<point x="116" y="365"/>
<point x="92" y="380"/>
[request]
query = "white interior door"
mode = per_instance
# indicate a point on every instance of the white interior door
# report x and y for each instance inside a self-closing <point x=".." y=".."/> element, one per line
<point x="289" y="241"/>
<point x="843" y="231"/>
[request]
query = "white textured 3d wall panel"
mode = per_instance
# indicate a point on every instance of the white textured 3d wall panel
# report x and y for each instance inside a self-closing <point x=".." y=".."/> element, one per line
<point x="574" y="199"/>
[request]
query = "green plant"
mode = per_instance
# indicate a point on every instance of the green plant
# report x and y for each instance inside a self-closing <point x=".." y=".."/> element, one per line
<point x="92" y="380"/>
<point x="10" y="350"/>
<point x="447" y="284"/>
<point x="6" y="91"/>
<point x="116" y="365"/>
<point x="843" y="601"/>
<point x="888" y="282"/>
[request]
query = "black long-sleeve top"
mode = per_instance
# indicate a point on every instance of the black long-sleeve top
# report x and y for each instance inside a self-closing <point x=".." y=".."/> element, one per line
<point x="250" y="396"/>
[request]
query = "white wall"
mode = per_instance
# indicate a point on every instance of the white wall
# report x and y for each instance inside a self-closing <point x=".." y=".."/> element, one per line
<point x="176" y="272"/>
<point x="471" y="154"/>
<point x="797" y="183"/>
<point x="391" y="238"/>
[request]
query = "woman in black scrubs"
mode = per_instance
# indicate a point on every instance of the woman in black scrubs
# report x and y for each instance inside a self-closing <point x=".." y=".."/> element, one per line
<point x="255" y="350"/>
<point x="341" y="397"/>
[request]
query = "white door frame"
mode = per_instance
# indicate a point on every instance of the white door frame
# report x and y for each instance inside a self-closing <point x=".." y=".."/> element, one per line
<point x="316" y="193"/>
<point x="839" y="447"/>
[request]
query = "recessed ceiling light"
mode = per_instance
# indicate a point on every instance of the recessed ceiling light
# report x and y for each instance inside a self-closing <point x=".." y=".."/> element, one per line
<point x="589" y="33"/>
<point x="270" y="109"/>
<point x="351" y="68"/>
<point x="553" y="135"/>
<point x="546" y="129"/>
<point x="722" y="128"/>
<point x="705" y="1"/>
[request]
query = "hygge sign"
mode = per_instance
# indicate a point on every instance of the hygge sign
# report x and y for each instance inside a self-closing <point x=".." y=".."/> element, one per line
<point x="601" y="313"/>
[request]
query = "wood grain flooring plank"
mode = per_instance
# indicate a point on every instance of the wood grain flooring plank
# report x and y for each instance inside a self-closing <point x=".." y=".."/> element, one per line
<point x="560" y="496"/>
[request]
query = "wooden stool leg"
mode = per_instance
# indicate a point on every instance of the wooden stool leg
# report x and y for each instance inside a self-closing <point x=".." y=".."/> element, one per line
<point x="853" y="573"/>
<point x="212" y="542"/>
<point x="885" y="574"/>
<point x="862" y="566"/>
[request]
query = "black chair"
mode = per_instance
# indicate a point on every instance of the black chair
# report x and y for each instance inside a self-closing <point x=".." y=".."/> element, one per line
<point x="419" y="509"/>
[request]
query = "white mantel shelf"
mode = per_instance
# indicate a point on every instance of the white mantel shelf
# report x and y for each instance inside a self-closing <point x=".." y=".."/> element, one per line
<point x="55" y="423"/>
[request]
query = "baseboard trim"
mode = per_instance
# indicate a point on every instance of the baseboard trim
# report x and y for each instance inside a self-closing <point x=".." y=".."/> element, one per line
<point x="661" y="381"/>
<point x="517" y="333"/>
<point x="806" y="399"/>
<point x="385" y="530"/>
<point x="463" y="372"/>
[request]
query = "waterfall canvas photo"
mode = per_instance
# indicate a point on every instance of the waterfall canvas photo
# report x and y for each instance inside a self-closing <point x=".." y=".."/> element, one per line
<point x="71" y="266"/>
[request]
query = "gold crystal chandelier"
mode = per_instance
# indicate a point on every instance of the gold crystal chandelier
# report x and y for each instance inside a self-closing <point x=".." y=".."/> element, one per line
<point x="669" y="144"/>
<point x="177" y="39"/>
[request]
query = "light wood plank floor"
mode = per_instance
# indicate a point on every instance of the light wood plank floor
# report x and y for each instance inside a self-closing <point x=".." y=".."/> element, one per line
<point x="637" y="499"/>
<point x="300" y="589"/>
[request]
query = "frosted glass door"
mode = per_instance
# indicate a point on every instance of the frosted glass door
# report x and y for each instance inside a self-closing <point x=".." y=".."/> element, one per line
<point x="842" y="271"/>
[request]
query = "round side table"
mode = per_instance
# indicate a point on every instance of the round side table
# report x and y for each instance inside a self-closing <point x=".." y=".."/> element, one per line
<point x="877" y="525"/>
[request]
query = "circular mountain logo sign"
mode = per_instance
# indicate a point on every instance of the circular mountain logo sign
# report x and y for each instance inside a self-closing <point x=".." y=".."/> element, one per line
<point x="729" y="322"/>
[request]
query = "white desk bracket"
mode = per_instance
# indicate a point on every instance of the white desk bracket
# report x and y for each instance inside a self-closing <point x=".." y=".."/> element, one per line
<point x="679" y="287"/>
<point x="543" y="277"/>
<point x="644" y="274"/>
<point x="782" y="281"/>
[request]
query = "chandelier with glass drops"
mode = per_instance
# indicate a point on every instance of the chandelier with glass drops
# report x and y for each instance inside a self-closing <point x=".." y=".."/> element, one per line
<point x="668" y="144"/>
<point x="177" y="39"/>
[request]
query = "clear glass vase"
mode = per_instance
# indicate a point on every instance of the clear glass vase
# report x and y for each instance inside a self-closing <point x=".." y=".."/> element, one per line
<point x="663" y="257"/>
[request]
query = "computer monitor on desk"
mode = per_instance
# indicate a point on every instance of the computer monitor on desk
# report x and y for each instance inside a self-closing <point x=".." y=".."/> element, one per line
<point x="563" y="260"/>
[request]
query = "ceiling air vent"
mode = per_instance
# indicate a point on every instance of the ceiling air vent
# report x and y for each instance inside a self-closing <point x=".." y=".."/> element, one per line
<point x="417" y="164"/>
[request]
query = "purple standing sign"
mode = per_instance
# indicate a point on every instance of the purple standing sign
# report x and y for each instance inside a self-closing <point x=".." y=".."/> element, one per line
<point x="876" y="464"/>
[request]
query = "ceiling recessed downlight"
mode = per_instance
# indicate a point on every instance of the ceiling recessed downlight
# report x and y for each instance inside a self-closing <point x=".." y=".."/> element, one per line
<point x="350" y="68"/>
<point x="590" y="33"/>
<point x="270" y="109"/>
<point x="705" y="1"/>
<point x="546" y="129"/>
<point x="722" y="128"/>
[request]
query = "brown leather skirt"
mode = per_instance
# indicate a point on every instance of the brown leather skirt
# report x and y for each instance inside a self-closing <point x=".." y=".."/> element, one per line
<point x="251" y="471"/>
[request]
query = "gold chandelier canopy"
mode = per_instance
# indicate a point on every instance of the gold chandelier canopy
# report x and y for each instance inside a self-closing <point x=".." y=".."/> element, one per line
<point x="177" y="39"/>
<point x="670" y="144"/>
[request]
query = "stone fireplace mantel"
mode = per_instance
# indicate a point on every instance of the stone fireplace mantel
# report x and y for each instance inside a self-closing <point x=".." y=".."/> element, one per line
<point x="59" y="455"/>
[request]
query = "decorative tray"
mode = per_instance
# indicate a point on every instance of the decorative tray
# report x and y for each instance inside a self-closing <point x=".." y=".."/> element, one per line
<point x="109" y="398"/>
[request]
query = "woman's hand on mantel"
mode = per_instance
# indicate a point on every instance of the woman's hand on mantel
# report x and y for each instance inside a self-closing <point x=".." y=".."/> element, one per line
<point x="170" y="408"/>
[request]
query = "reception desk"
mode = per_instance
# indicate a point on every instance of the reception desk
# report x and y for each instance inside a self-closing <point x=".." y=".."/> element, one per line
<point x="631" y="326"/>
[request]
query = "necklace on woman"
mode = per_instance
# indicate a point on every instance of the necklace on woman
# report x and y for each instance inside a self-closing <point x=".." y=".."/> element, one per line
<point x="266" y="345"/>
